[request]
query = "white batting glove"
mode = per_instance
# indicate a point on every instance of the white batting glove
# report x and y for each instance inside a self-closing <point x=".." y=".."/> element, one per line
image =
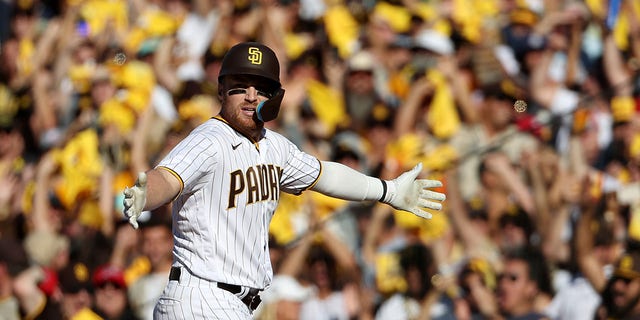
<point x="410" y="194"/>
<point x="135" y="199"/>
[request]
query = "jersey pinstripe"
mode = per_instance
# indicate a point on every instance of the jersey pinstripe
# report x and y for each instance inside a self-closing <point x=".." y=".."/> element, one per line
<point x="201" y="300"/>
<point x="230" y="191"/>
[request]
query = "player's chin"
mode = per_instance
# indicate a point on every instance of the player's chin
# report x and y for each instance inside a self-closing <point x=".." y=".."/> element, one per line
<point x="249" y="121"/>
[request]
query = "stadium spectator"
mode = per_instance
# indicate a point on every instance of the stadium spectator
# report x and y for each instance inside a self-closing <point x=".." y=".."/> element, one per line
<point x="157" y="244"/>
<point x="110" y="294"/>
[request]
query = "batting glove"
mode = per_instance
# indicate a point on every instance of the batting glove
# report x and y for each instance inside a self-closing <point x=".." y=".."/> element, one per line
<point x="410" y="194"/>
<point x="135" y="199"/>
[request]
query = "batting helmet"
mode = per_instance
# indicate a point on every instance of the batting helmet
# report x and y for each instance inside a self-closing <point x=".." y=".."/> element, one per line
<point x="251" y="58"/>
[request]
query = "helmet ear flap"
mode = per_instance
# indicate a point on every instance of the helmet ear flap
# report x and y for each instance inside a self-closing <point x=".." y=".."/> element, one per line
<point x="268" y="110"/>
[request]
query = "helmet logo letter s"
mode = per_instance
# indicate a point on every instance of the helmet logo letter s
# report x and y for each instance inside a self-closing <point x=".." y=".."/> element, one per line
<point x="255" y="55"/>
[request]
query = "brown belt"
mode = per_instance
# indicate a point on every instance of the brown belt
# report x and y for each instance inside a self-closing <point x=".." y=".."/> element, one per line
<point x="251" y="299"/>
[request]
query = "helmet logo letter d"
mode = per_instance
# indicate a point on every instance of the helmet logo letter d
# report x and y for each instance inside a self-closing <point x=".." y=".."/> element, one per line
<point x="255" y="55"/>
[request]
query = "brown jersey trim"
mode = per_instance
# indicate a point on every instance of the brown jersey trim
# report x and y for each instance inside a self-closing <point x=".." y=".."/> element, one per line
<point x="175" y="174"/>
<point x="317" y="178"/>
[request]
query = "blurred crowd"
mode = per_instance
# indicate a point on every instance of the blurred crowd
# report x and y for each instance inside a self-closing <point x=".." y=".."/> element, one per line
<point x="527" y="110"/>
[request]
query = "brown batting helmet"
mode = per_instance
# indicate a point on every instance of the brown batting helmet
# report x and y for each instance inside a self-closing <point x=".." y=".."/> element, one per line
<point x="251" y="58"/>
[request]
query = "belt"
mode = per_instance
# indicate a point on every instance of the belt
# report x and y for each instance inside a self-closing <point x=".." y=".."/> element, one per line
<point x="249" y="296"/>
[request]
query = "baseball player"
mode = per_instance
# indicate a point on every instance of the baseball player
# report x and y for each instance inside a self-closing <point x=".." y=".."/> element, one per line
<point x="224" y="180"/>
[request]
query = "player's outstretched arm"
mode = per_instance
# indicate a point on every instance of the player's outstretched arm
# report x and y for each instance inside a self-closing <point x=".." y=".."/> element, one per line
<point x="153" y="188"/>
<point x="406" y="192"/>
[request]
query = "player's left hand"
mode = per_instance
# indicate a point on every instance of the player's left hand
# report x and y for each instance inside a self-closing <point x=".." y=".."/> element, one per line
<point x="410" y="194"/>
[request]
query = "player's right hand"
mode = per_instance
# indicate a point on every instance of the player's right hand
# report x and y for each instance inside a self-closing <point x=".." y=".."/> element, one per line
<point x="135" y="199"/>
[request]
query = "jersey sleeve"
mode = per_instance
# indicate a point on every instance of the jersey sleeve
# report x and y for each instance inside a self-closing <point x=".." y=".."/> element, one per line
<point x="300" y="172"/>
<point x="192" y="160"/>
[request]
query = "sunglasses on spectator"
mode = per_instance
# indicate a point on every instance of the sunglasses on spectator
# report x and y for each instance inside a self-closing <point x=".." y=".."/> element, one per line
<point x="625" y="280"/>
<point x="510" y="276"/>
<point x="240" y="90"/>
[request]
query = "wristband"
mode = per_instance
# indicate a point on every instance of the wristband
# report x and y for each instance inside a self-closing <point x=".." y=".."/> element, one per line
<point x="384" y="191"/>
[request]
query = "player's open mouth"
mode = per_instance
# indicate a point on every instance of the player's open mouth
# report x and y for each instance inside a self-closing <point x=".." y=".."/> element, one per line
<point x="249" y="111"/>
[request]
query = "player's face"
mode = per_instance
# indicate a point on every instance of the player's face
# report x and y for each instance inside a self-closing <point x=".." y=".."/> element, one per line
<point x="240" y="96"/>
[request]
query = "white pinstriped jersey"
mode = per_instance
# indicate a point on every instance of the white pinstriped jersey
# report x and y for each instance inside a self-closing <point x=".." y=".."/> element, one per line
<point x="231" y="188"/>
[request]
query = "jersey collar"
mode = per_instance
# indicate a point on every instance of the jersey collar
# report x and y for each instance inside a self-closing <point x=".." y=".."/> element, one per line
<point x="254" y="142"/>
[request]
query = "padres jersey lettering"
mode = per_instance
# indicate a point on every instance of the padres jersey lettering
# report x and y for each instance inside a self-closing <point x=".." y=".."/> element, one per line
<point x="261" y="183"/>
<point x="231" y="190"/>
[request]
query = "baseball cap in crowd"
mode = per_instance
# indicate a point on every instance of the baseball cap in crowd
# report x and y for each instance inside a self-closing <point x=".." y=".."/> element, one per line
<point x="109" y="274"/>
<point x="434" y="41"/>
<point x="380" y="115"/>
<point x="361" y="61"/>
<point x="628" y="266"/>
<point x="74" y="278"/>
<point x="504" y="89"/>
